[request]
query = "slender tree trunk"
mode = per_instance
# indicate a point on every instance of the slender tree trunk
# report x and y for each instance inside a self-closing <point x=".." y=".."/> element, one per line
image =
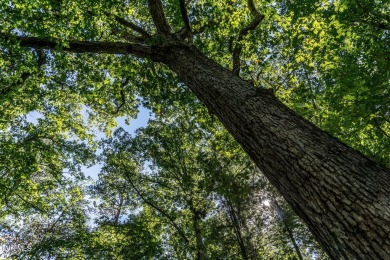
<point x="119" y="209"/>
<point x="282" y="216"/>
<point x="200" y="251"/>
<point x="296" y="247"/>
<point x="237" y="230"/>
<point x="342" y="195"/>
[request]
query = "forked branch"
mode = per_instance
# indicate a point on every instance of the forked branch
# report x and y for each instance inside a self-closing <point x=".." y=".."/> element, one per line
<point x="158" y="16"/>
<point x="257" y="19"/>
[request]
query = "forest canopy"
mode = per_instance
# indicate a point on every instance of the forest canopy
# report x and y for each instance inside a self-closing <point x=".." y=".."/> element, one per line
<point x="181" y="187"/>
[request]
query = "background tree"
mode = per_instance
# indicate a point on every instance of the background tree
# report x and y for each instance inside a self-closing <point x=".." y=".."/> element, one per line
<point x="199" y="192"/>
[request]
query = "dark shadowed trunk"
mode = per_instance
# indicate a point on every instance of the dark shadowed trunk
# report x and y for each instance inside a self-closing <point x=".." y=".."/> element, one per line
<point x="237" y="229"/>
<point x="338" y="192"/>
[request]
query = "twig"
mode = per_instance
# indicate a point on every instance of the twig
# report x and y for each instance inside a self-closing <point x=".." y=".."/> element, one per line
<point x="257" y="18"/>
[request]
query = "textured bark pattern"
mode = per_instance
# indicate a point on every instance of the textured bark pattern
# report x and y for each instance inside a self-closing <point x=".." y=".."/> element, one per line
<point x="339" y="193"/>
<point x="158" y="16"/>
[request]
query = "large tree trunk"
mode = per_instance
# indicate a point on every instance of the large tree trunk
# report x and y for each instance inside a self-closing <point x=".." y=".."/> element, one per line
<point x="338" y="192"/>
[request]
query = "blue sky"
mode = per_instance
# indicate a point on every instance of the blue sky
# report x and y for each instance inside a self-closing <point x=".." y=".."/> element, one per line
<point x="141" y="121"/>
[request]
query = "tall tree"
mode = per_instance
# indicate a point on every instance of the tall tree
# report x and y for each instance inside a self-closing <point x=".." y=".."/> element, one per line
<point x="198" y="185"/>
<point x="177" y="178"/>
<point x="337" y="191"/>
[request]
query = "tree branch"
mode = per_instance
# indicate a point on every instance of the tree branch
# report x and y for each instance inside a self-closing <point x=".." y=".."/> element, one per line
<point x="128" y="36"/>
<point x="381" y="129"/>
<point x="158" y="209"/>
<point x="184" y="33"/>
<point x="139" y="50"/>
<point x="377" y="19"/>
<point x="119" y="209"/>
<point x="133" y="26"/>
<point x="41" y="61"/>
<point x="158" y="16"/>
<point x="184" y="15"/>
<point x="257" y="18"/>
<point x="123" y="95"/>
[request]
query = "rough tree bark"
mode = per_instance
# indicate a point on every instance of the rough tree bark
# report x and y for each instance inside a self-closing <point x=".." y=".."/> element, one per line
<point x="341" y="194"/>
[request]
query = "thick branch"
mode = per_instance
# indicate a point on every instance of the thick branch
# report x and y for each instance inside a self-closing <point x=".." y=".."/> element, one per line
<point x="128" y="36"/>
<point x="257" y="18"/>
<point x="184" y="15"/>
<point x="252" y="8"/>
<point x="139" y="50"/>
<point x="158" y="16"/>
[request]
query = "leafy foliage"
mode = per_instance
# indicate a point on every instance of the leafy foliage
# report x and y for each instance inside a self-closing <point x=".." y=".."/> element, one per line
<point x="181" y="187"/>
